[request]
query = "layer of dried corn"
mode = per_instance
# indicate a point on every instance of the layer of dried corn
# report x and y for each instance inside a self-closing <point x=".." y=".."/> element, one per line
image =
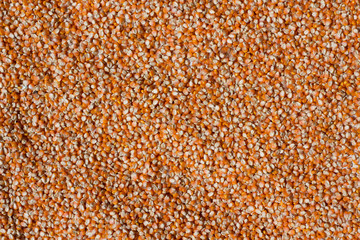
<point x="179" y="119"/>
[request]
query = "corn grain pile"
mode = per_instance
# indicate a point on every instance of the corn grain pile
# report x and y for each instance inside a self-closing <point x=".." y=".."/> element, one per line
<point x="179" y="119"/>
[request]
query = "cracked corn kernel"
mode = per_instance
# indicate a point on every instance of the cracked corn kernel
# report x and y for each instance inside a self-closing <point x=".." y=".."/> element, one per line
<point x="179" y="120"/>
